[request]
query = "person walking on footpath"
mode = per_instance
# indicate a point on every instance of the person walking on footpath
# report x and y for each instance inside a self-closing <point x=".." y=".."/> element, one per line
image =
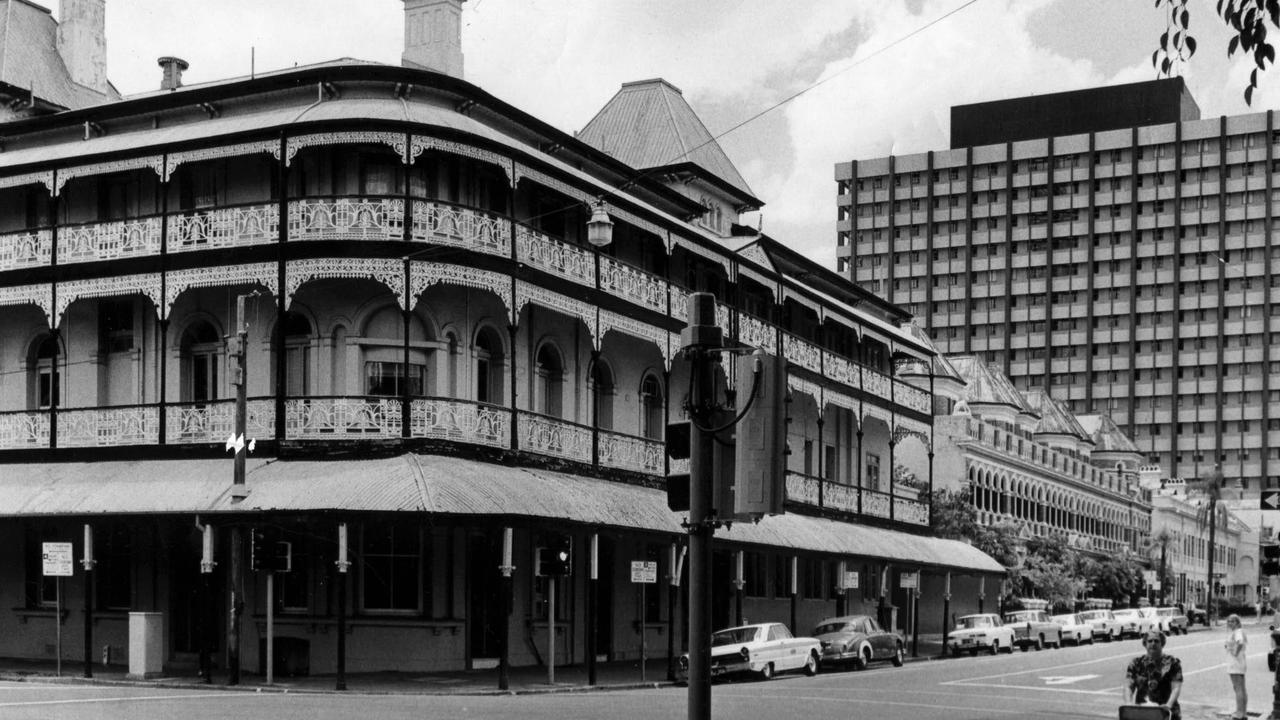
<point x="1236" y="646"/>
<point x="1155" y="678"/>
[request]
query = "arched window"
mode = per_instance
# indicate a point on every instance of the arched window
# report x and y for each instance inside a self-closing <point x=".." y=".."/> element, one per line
<point x="199" y="350"/>
<point x="44" y="383"/>
<point x="602" y="392"/>
<point x="653" y="418"/>
<point x="488" y="366"/>
<point x="548" y="381"/>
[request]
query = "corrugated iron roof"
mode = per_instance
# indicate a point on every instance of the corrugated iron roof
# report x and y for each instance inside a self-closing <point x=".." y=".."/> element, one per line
<point x="1107" y="436"/>
<point x="431" y="484"/>
<point x="649" y="124"/>
<point x="29" y="58"/>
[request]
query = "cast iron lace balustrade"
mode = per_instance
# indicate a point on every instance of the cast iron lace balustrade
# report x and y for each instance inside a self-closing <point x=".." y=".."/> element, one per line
<point x="627" y="452"/>
<point x="910" y="511"/>
<point x="346" y="219"/>
<point x="460" y="421"/>
<point x="341" y="418"/>
<point x="26" y="249"/>
<point x="631" y="283"/>
<point x="842" y="370"/>
<point x="214" y="421"/>
<point x="109" y="240"/>
<point x="551" y="436"/>
<point x="757" y="333"/>
<point x="802" y="488"/>
<point x="544" y="252"/>
<point x="445" y="224"/>
<point x="909" y="396"/>
<point x="802" y="353"/>
<point x="840" y="497"/>
<point x="875" y="383"/>
<point x="24" y="430"/>
<point x="875" y="503"/>
<point x="224" y="227"/>
<point x="109" y="427"/>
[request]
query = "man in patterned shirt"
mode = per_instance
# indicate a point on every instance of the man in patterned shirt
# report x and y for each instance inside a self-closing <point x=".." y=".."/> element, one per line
<point x="1155" y="677"/>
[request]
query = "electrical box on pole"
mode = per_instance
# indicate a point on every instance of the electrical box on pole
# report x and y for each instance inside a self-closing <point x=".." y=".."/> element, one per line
<point x="760" y="452"/>
<point x="1271" y="559"/>
<point x="677" y="439"/>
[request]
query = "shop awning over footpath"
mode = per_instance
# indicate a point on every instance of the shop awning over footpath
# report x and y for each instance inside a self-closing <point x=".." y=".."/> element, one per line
<point x="431" y="484"/>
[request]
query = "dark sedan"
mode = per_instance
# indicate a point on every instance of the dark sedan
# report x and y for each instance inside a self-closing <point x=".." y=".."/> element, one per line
<point x="858" y="639"/>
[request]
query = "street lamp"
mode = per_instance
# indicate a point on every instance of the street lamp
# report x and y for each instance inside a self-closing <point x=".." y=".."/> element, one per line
<point x="599" y="227"/>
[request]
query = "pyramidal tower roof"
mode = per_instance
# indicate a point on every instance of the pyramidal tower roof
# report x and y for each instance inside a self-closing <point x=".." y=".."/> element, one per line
<point x="986" y="385"/>
<point x="1107" y="436"/>
<point x="1055" y="419"/>
<point x="648" y="124"/>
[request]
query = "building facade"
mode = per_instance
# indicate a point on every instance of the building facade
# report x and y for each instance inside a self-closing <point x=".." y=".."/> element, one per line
<point x="437" y="358"/>
<point x="1180" y="536"/>
<point x="1119" y="257"/>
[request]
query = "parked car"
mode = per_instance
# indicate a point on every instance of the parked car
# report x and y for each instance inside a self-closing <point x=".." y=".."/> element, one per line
<point x="1132" y="622"/>
<point x="1196" y="615"/>
<point x="980" y="632"/>
<point x="1103" y="622"/>
<point x="1073" y="629"/>
<point x="1172" y="621"/>
<point x="764" y="648"/>
<point x="858" y="639"/>
<point x="1033" y="629"/>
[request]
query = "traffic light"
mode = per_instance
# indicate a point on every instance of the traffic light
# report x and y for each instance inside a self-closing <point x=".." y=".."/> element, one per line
<point x="760" y="451"/>
<point x="678" y="449"/>
<point x="267" y="552"/>
<point x="556" y="559"/>
<point x="1271" y="559"/>
<point x="258" y="549"/>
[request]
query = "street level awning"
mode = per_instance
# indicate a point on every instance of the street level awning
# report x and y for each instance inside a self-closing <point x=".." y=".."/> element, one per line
<point x="432" y="484"/>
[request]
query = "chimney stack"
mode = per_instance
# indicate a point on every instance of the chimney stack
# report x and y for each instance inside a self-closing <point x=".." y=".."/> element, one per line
<point x="82" y="42"/>
<point x="173" y="67"/>
<point x="433" y="35"/>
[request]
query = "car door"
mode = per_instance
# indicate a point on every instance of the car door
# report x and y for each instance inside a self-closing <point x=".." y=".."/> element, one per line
<point x="784" y="648"/>
<point x="881" y="641"/>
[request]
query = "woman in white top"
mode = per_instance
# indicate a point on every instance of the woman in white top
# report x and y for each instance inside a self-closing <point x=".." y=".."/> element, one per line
<point x="1236" y="645"/>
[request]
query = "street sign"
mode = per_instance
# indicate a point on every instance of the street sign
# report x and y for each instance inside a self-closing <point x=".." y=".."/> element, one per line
<point x="1148" y="576"/>
<point x="1271" y="499"/>
<point x="57" y="558"/>
<point x="851" y="580"/>
<point x="644" y="572"/>
<point x="909" y="581"/>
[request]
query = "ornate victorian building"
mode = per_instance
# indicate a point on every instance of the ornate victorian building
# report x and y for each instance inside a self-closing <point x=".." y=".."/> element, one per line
<point x="435" y="353"/>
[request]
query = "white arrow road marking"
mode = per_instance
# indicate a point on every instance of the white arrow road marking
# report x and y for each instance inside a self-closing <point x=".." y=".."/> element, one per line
<point x="1066" y="679"/>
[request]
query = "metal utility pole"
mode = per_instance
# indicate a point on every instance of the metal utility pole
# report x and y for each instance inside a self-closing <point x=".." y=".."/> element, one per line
<point x="88" y="562"/>
<point x="701" y="341"/>
<point x="340" y="682"/>
<point x="238" y="493"/>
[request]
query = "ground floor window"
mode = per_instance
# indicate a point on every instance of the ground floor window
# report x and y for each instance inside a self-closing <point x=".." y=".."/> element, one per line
<point x="391" y="569"/>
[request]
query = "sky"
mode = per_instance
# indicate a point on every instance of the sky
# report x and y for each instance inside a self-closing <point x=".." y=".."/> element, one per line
<point x="561" y="60"/>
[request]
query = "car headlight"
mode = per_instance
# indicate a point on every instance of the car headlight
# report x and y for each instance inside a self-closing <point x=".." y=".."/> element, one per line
<point x="746" y="654"/>
<point x="848" y="645"/>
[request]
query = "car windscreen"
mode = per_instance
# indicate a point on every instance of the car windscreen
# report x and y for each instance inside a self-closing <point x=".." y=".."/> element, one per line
<point x="973" y="622"/>
<point x="833" y="628"/>
<point x="734" y="636"/>
<point x="1065" y="619"/>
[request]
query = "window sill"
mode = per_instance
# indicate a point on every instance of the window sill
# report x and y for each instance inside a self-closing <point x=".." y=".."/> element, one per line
<point x="314" y="625"/>
<point x="26" y="614"/>
<point x="661" y="627"/>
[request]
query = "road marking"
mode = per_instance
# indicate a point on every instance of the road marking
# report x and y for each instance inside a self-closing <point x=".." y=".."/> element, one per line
<point x="963" y="708"/>
<point x="1066" y="679"/>
<point x="138" y="698"/>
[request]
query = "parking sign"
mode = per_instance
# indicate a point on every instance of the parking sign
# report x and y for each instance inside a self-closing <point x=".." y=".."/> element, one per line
<point x="57" y="559"/>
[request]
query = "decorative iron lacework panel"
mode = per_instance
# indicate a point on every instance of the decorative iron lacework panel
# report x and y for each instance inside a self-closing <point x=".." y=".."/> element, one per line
<point x="613" y="321"/>
<point x="347" y="219"/>
<point x="524" y="171"/>
<point x="633" y="284"/>
<point x="837" y="399"/>
<point x="870" y="410"/>
<point x="222" y="151"/>
<point x="791" y="294"/>
<point x="527" y="293"/>
<point x="109" y="427"/>
<point x="757" y="255"/>
<point x="44" y="178"/>
<point x="442" y="224"/>
<point x="179" y="281"/>
<point x="840" y="497"/>
<point x="24" y="430"/>
<point x="224" y="227"/>
<point x="388" y="271"/>
<point x="549" y="436"/>
<point x="419" y="144"/>
<point x="911" y="396"/>
<point x="757" y="333"/>
<point x="460" y="421"/>
<point x="802" y="353"/>
<point x="26" y="249"/>
<point x="910" y="511"/>
<point x="875" y="504"/>
<point x="108" y="241"/>
<point x="875" y="383"/>
<point x="155" y="162"/>
<point x="804" y="387"/>
<point x="802" y="488"/>
<point x="558" y="258"/>
<point x="423" y="275"/>
<point x="842" y="370"/>
<point x="679" y="467"/>
<point x="213" y="422"/>
<point x="627" y="452"/>
<point x="143" y="284"/>
<point x="39" y="295"/>
<point x="396" y="141"/>
<point x="341" y="418"/>
<point x="907" y="425"/>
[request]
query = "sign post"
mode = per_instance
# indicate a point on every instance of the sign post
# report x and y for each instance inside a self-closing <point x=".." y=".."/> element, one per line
<point x="57" y="563"/>
<point x="910" y="581"/>
<point x="644" y="573"/>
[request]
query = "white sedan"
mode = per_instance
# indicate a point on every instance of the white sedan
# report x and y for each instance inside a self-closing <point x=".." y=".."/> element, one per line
<point x="765" y="648"/>
<point x="980" y="632"/>
<point x="1133" y="622"/>
<point x="1074" y="629"/>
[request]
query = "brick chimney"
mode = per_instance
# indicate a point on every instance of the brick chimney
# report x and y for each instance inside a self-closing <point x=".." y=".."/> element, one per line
<point x="433" y="35"/>
<point x="173" y="67"/>
<point x="82" y="42"/>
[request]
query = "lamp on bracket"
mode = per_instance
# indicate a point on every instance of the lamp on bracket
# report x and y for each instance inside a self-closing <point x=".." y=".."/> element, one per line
<point x="599" y="227"/>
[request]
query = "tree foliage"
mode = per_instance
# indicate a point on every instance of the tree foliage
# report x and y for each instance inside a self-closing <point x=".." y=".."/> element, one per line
<point x="1248" y="21"/>
<point x="955" y="518"/>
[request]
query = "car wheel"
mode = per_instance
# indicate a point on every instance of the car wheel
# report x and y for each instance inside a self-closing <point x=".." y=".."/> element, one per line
<point x="995" y="646"/>
<point x="1039" y="643"/>
<point x="864" y="659"/>
<point x="1091" y="638"/>
<point x="897" y="656"/>
<point x="811" y="665"/>
<point x="767" y="672"/>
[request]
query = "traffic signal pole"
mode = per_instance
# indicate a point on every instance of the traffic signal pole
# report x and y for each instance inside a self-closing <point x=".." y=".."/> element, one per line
<point x="238" y="493"/>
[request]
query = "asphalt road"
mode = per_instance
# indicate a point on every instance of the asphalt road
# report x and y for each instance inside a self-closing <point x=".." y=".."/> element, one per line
<point x="1069" y="683"/>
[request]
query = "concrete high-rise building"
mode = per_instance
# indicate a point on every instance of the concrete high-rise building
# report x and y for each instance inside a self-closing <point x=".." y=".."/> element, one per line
<point x="1106" y="245"/>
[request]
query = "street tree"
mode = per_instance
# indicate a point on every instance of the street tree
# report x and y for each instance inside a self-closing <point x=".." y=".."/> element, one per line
<point x="1210" y="514"/>
<point x="1248" y="21"/>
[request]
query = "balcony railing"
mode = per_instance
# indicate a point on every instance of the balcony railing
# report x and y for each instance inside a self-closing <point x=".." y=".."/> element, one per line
<point x="224" y="227"/>
<point x="544" y="252"/>
<point x="627" y="452"/>
<point x="24" y="430"/>
<point x="215" y="421"/>
<point x="630" y="283"/>
<point x="460" y="421"/>
<point x="346" y="218"/>
<point x="342" y="418"/>
<point x="446" y="224"/>
<point x="108" y="240"/>
<point x="26" y="249"/>
<point x="816" y="492"/>
<point x="109" y="426"/>
<point x="546" y="435"/>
